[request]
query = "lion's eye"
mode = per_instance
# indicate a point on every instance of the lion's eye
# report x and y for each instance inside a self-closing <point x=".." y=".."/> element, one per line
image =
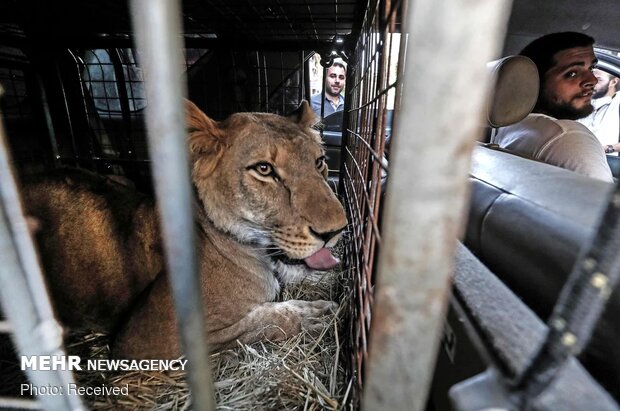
<point x="264" y="169"/>
<point x="321" y="163"/>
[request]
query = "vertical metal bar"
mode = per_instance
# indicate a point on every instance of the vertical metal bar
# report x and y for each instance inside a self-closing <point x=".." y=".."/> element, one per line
<point x="22" y="290"/>
<point x="76" y="152"/>
<point x="157" y="25"/>
<point x="430" y="157"/>
<point x="285" y="86"/>
<point x="302" y="77"/>
<point x="126" y="146"/>
<point x="79" y="158"/>
<point x="51" y="131"/>
<point x="323" y="93"/>
<point x="264" y="72"/>
<point x="122" y="83"/>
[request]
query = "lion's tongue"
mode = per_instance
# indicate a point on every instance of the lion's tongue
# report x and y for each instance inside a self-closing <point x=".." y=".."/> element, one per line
<point x="322" y="260"/>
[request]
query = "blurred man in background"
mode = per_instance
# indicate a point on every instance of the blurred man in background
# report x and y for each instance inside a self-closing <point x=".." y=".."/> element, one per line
<point x="604" y="121"/>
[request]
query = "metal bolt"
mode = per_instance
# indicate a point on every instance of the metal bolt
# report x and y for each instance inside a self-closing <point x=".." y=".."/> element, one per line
<point x="589" y="264"/>
<point x="559" y="324"/>
<point x="599" y="280"/>
<point x="569" y="339"/>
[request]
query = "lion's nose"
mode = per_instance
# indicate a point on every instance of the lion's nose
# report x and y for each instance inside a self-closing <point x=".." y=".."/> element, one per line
<point x="326" y="236"/>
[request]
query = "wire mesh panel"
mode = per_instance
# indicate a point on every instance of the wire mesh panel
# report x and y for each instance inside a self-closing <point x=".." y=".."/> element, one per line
<point x="365" y="157"/>
<point x="98" y="105"/>
<point x="225" y="82"/>
<point x="114" y="99"/>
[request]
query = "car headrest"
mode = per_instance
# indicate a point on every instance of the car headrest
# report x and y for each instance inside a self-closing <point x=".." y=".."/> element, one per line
<point x="515" y="91"/>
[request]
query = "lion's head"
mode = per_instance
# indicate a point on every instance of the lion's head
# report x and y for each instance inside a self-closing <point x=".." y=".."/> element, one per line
<point x="262" y="179"/>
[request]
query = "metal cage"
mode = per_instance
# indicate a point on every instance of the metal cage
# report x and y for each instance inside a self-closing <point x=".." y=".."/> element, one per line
<point x="87" y="97"/>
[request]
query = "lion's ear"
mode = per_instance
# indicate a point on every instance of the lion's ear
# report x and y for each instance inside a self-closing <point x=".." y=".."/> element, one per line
<point x="304" y="115"/>
<point x="204" y="134"/>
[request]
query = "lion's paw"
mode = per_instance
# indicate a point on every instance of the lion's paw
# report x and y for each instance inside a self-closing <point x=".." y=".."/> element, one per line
<point x="276" y="321"/>
<point x="312" y="314"/>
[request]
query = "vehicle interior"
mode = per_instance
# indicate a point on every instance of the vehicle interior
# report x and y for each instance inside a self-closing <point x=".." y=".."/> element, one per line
<point x="461" y="258"/>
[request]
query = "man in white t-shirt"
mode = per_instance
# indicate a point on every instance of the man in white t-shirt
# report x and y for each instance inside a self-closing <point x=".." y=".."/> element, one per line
<point x="604" y="121"/>
<point x="550" y="134"/>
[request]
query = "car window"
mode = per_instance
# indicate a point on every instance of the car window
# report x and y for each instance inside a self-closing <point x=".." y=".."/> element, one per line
<point x="100" y="78"/>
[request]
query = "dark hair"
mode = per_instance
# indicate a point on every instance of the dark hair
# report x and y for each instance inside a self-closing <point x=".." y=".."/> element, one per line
<point x="339" y="64"/>
<point x="611" y="77"/>
<point x="543" y="49"/>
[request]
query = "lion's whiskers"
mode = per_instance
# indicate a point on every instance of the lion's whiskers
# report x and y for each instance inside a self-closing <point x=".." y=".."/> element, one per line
<point x="274" y="254"/>
<point x="274" y="249"/>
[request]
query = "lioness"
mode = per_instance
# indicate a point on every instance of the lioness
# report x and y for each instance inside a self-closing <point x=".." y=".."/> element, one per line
<point x="265" y="217"/>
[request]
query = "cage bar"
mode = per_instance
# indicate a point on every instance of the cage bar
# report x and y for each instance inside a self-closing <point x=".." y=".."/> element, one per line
<point x="430" y="157"/>
<point x="157" y="25"/>
<point x="369" y="100"/>
<point x="23" y="294"/>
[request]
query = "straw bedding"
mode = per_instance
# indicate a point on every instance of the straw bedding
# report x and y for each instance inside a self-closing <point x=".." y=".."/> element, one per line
<point x="304" y="372"/>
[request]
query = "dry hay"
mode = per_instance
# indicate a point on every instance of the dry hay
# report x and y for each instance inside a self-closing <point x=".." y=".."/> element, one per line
<point x="304" y="372"/>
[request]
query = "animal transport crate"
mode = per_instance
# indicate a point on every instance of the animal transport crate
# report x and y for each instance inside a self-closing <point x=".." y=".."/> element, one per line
<point x="77" y="93"/>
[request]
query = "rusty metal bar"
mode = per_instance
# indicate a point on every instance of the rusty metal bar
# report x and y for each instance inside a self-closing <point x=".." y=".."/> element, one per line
<point x="23" y="294"/>
<point x="157" y="25"/>
<point x="435" y="131"/>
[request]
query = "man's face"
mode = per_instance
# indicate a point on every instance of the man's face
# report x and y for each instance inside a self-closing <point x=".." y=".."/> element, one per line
<point x="602" y="87"/>
<point x="334" y="83"/>
<point x="568" y="85"/>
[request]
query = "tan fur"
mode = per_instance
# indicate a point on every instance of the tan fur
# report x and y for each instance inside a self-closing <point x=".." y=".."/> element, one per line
<point x="99" y="244"/>
<point x="243" y="218"/>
